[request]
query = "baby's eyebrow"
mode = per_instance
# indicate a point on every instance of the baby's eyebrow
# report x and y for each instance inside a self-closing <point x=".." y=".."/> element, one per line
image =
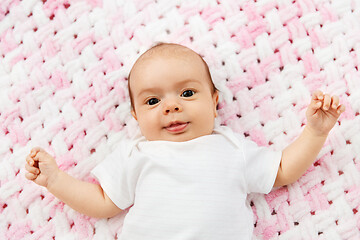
<point x="147" y="91"/>
<point x="189" y="81"/>
<point x="156" y="89"/>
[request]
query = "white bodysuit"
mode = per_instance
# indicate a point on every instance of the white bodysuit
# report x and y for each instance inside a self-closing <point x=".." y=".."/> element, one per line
<point x="188" y="190"/>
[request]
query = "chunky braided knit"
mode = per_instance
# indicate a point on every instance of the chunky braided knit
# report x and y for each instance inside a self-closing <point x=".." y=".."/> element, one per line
<point x="63" y="86"/>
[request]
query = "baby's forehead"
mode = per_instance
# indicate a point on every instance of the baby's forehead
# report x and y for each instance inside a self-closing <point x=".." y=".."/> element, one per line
<point x="166" y="51"/>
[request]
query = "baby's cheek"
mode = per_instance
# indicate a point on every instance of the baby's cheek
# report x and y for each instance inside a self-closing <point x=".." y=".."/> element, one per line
<point x="150" y="126"/>
<point x="205" y="117"/>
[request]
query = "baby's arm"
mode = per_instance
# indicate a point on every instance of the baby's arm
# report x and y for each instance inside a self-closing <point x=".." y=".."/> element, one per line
<point x="322" y="115"/>
<point x="84" y="197"/>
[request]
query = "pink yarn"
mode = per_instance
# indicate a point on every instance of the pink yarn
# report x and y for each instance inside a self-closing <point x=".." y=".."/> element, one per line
<point x="63" y="86"/>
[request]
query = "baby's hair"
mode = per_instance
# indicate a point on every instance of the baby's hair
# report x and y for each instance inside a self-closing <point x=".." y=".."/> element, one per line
<point x="161" y="46"/>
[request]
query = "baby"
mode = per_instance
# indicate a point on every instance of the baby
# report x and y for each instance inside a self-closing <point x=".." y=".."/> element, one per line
<point x="185" y="178"/>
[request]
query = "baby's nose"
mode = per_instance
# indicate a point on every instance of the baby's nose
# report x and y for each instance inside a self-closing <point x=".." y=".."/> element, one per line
<point x="174" y="110"/>
<point x="172" y="107"/>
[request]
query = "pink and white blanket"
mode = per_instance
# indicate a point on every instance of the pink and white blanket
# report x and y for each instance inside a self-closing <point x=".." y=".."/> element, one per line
<point x="63" y="69"/>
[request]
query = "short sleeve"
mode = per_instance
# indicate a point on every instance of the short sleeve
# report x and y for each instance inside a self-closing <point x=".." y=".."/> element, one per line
<point x="261" y="167"/>
<point x="116" y="179"/>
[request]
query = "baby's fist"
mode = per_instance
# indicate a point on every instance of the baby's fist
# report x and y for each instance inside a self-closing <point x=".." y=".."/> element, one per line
<point x="41" y="167"/>
<point x="323" y="112"/>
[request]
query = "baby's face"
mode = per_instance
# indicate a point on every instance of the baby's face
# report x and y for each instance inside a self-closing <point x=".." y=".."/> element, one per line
<point x="172" y="98"/>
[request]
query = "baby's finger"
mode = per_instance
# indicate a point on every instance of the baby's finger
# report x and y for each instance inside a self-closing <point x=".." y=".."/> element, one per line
<point x="30" y="161"/>
<point x="334" y="102"/>
<point x="40" y="155"/>
<point x="34" y="151"/>
<point x="327" y="102"/>
<point x="32" y="169"/>
<point x="341" y="109"/>
<point x="315" y="105"/>
<point x="30" y="176"/>
<point x="315" y="102"/>
<point x="318" y="95"/>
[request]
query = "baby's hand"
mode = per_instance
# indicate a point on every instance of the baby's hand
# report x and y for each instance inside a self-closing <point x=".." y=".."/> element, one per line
<point x="323" y="112"/>
<point x="41" y="167"/>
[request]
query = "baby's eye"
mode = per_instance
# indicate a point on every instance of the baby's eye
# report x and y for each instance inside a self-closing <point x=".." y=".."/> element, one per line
<point x="152" y="101"/>
<point x="187" y="93"/>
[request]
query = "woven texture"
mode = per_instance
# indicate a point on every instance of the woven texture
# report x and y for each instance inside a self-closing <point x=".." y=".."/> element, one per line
<point x="63" y="86"/>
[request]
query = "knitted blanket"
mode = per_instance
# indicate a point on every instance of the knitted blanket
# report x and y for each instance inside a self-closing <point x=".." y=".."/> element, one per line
<point x="63" y="87"/>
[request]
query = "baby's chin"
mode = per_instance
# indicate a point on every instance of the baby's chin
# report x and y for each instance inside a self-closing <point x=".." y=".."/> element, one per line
<point x="182" y="137"/>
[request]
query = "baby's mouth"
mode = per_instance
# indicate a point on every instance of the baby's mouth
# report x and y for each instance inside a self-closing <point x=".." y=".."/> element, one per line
<point x="176" y="127"/>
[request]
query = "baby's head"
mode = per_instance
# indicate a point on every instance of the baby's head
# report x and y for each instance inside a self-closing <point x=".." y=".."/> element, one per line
<point x="172" y="94"/>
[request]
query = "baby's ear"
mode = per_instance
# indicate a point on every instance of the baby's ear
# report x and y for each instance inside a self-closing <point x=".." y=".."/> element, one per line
<point x="215" y="101"/>
<point x="133" y="113"/>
